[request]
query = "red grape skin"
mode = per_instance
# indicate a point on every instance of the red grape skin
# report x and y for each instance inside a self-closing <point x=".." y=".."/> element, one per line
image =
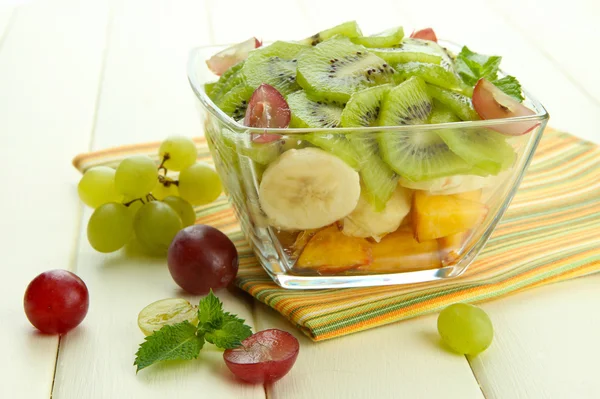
<point x="200" y="258"/>
<point x="56" y="301"/>
<point x="263" y="357"/>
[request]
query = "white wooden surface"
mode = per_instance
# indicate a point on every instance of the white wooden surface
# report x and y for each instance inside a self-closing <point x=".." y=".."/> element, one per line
<point x="88" y="75"/>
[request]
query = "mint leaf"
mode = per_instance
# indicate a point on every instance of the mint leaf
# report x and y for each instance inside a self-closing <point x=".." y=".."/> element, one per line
<point x="172" y="342"/>
<point x="230" y="335"/>
<point x="210" y="312"/>
<point x="472" y="66"/>
<point x="511" y="86"/>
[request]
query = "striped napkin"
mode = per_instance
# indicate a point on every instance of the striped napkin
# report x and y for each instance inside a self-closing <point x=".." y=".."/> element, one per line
<point x="550" y="233"/>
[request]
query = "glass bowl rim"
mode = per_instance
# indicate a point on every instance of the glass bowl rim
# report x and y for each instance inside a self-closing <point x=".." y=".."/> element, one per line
<point x="540" y="115"/>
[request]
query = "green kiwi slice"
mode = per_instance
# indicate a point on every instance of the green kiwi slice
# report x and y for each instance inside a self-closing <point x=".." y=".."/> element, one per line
<point x="412" y="50"/>
<point x="231" y="78"/>
<point x="335" y="69"/>
<point x="308" y="113"/>
<point x="363" y="109"/>
<point x="275" y="65"/>
<point x="235" y="101"/>
<point x="389" y="38"/>
<point x="335" y="144"/>
<point x="414" y="155"/>
<point x="348" y="29"/>
<point x="459" y="104"/>
<point x="433" y="74"/>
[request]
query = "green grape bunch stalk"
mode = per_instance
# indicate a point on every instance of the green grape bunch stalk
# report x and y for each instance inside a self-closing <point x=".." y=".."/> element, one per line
<point x="138" y="200"/>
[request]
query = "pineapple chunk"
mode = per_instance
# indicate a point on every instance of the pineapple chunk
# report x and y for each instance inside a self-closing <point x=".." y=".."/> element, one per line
<point x="330" y="251"/>
<point x="436" y="216"/>
<point x="400" y="252"/>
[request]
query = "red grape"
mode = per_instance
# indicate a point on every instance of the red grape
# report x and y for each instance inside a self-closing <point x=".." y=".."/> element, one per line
<point x="56" y="301"/>
<point x="200" y="258"/>
<point x="263" y="357"/>
<point x="425" y="34"/>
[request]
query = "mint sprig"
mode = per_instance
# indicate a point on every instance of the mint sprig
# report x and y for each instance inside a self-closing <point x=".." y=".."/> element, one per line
<point x="184" y="341"/>
<point x="472" y="66"/>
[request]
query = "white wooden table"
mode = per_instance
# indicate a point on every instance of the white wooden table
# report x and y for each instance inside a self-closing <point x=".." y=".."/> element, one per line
<point x="78" y="76"/>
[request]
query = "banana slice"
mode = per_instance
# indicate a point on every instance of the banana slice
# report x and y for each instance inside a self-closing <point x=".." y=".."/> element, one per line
<point x="450" y="184"/>
<point x="365" y="221"/>
<point x="308" y="189"/>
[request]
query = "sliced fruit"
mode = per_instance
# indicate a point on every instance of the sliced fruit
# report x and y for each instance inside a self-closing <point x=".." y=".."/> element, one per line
<point x="348" y="29"/>
<point x="308" y="113"/>
<point x="388" y="38"/>
<point x="425" y="34"/>
<point x="435" y="216"/>
<point x="335" y="144"/>
<point x="492" y="103"/>
<point x="400" y="252"/>
<point x="308" y="189"/>
<point x="454" y="184"/>
<point x="331" y="251"/>
<point x="335" y="69"/>
<point x="406" y="104"/>
<point x="231" y="78"/>
<point x="483" y="148"/>
<point x="267" y="109"/>
<point x="235" y="102"/>
<point x="166" y="311"/>
<point x="412" y="50"/>
<point x="363" y="109"/>
<point x="301" y="240"/>
<point x="473" y="195"/>
<point x="459" y="104"/>
<point x="366" y="221"/>
<point x="225" y="59"/>
<point x="433" y="74"/>
<point x="450" y="246"/>
<point x="261" y="153"/>
<point x="275" y="65"/>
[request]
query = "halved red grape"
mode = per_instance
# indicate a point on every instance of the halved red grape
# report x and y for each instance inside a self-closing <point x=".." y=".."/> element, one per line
<point x="263" y="357"/>
<point x="225" y="59"/>
<point x="492" y="103"/>
<point x="425" y="34"/>
<point x="56" y="301"/>
<point x="200" y="258"/>
<point x="267" y="108"/>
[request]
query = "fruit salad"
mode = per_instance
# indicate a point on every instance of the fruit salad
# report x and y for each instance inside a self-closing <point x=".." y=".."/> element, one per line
<point x="351" y="154"/>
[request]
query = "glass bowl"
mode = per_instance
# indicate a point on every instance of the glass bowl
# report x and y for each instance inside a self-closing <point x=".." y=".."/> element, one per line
<point x="324" y="256"/>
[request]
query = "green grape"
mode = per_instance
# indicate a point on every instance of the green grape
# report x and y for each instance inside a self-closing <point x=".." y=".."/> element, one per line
<point x="465" y="328"/>
<point x="161" y="191"/>
<point x="110" y="227"/>
<point x="97" y="187"/>
<point x="136" y="176"/>
<point x="155" y="225"/>
<point x="183" y="208"/>
<point x="181" y="151"/>
<point x="199" y="184"/>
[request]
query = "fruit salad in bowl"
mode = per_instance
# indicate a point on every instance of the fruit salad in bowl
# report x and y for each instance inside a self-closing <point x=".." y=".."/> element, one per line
<point x="358" y="160"/>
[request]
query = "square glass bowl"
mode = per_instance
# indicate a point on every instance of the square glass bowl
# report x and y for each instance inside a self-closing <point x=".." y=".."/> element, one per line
<point x="324" y="256"/>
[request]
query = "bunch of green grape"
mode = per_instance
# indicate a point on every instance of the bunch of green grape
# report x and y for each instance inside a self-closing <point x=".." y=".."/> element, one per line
<point x="140" y="199"/>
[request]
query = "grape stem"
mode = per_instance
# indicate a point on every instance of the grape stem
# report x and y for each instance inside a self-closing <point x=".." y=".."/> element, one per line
<point x="166" y="181"/>
<point x="166" y="157"/>
<point x="133" y="200"/>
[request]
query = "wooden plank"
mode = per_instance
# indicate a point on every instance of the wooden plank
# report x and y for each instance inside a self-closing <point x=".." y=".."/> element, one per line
<point x="545" y="343"/>
<point x="404" y="360"/>
<point x="564" y="34"/>
<point x="49" y="68"/>
<point x="144" y="96"/>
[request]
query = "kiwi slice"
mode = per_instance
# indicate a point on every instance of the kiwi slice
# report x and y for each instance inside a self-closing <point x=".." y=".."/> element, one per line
<point x="379" y="181"/>
<point x="442" y="114"/>
<point x="389" y="38"/>
<point x="485" y="149"/>
<point x="459" y="104"/>
<point x="412" y="50"/>
<point x="434" y="74"/>
<point x="275" y="65"/>
<point x="209" y="87"/>
<point x="235" y="101"/>
<point x="335" y="144"/>
<point x="336" y="68"/>
<point x="308" y="113"/>
<point x="263" y="153"/>
<point x="414" y="155"/>
<point x="348" y="29"/>
<point x="231" y="78"/>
